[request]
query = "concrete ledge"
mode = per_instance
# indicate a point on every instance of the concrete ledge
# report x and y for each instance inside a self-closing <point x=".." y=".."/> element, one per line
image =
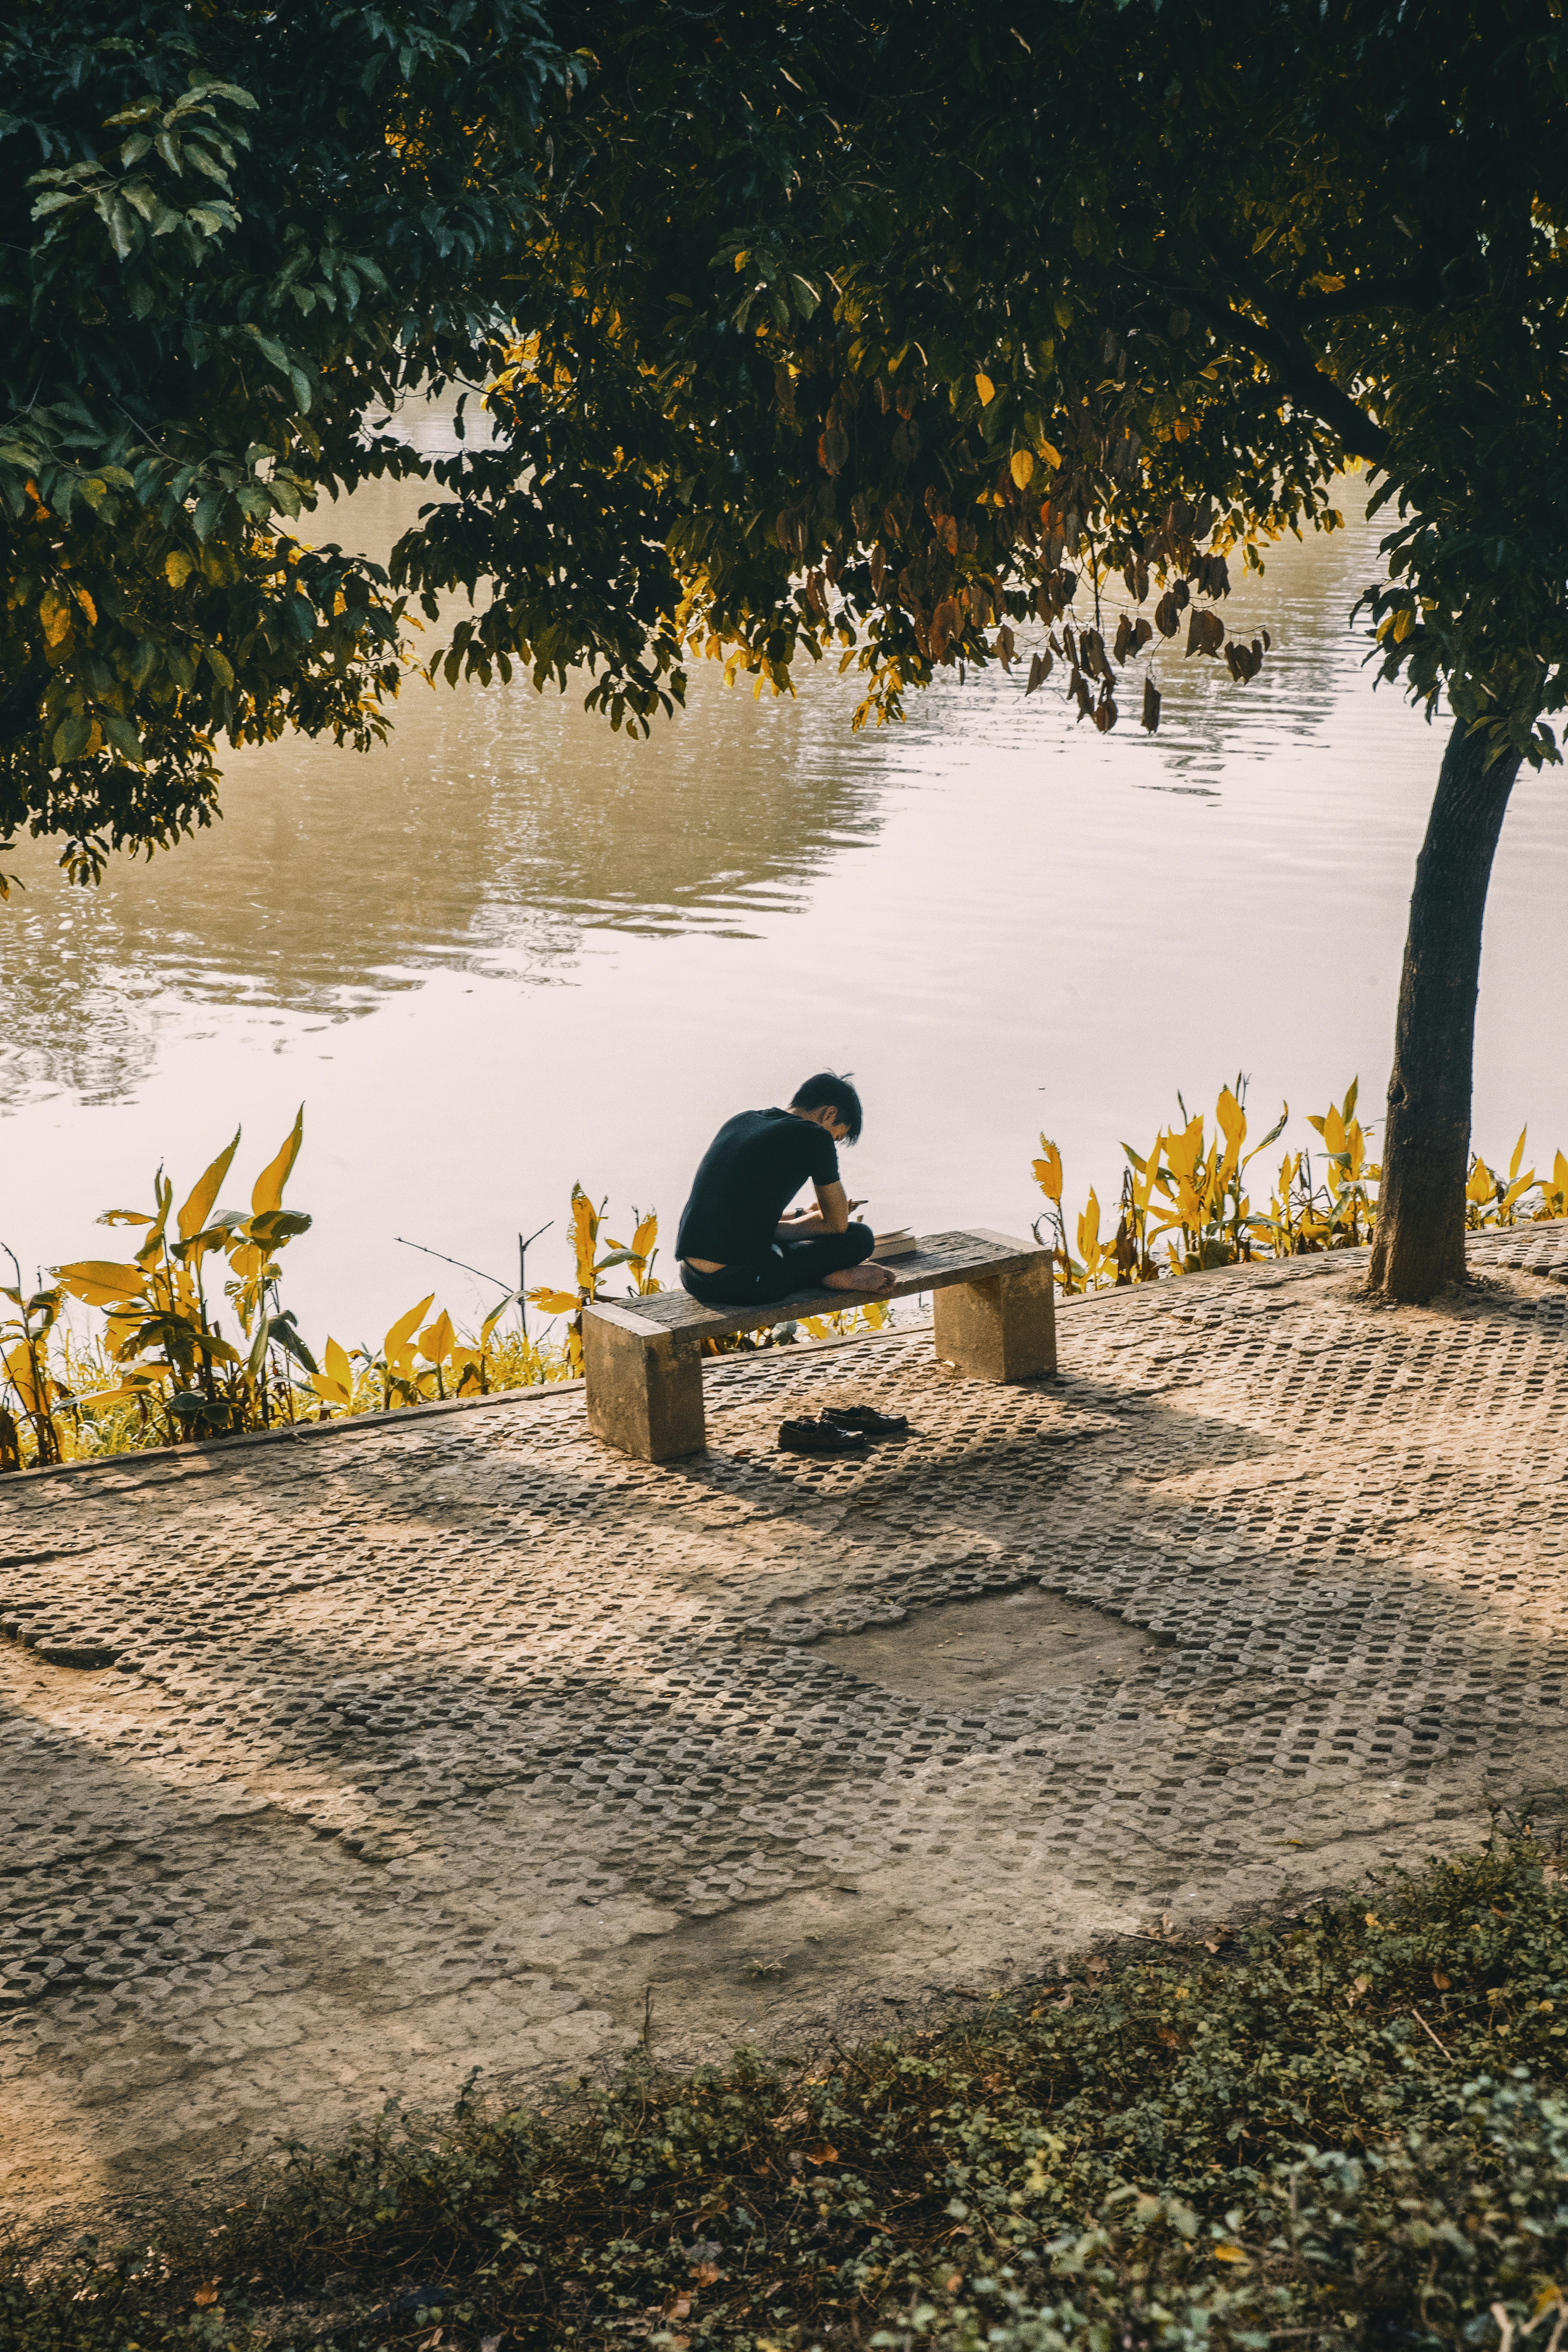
<point x="186" y="1460"/>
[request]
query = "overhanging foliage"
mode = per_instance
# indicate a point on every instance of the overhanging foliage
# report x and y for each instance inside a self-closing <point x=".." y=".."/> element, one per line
<point x="808" y="331"/>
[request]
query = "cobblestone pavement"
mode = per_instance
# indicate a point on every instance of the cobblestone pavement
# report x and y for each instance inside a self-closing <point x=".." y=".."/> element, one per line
<point x="338" y="1766"/>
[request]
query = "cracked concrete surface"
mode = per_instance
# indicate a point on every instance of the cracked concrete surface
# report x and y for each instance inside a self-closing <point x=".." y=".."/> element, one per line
<point x="399" y="1751"/>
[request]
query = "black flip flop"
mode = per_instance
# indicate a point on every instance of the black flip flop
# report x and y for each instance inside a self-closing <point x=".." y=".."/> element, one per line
<point x="866" y="1417"/>
<point x="818" y="1437"/>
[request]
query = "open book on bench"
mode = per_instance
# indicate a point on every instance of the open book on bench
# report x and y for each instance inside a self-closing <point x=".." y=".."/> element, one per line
<point x="900" y="1243"/>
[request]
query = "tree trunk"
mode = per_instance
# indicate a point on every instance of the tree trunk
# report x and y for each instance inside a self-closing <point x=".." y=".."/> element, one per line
<point x="1420" y="1234"/>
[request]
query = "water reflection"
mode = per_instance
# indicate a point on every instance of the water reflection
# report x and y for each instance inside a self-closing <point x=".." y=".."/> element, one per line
<point x="495" y="825"/>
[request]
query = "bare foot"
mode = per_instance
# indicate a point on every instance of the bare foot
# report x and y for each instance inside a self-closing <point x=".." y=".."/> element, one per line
<point x="865" y="1277"/>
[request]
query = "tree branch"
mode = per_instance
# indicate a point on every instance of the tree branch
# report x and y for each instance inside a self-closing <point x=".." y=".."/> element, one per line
<point x="1291" y="365"/>
<point x="1422" y="293"/>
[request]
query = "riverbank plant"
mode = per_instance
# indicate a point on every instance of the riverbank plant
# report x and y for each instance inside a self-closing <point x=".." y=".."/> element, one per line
<point x="1187" y="1203"/>
<point x="160" y="1370"/>
<point x="1343" y="2129"/>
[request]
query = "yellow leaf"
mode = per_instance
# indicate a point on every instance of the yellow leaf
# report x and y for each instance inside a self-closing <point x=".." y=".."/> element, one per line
<point x="1224" y="2253"/>
<point x="1181" y="1151"/>
<point x="402" y="1330"/>
<point x="435" y="1341"/>
<point x="1048" y="1170"/>
<point x="198" y="1208"/>
<point x="1022" y="467"/>
<point x="555" y="1302"/>
<point x="987" y="389"/>
<point x="55" y="613"/>
<point x="102" y="1399"/>
<point x="1517" y="1154"/>
<point x="269" y="1190"/>
<point x="1482" y="1185"/>
<point x="335" y="1357"/>
<point x="98" y="1281"/>
<point x="19" y="1370"/>
<point x="1334" y="1130"/>
<point x="88" y="606"/>
<point x="585" y="1235"/>
<point x="645" y="1236"/>
<point x="177" y="568"/>
<point x="1053" y="457"/>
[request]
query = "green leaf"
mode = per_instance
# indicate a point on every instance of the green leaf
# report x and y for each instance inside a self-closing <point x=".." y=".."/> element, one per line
<point x="71" y="737"/>
<point x="119" y="732"/>
<point x="122" y="229"/>
<point x="200" y="161"/>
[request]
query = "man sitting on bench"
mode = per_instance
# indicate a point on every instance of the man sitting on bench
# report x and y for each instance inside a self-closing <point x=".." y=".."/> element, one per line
<point x="736" y="1247"/>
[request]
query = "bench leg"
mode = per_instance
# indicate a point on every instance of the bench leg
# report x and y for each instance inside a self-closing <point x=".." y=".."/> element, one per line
<point x="1002" y="1329"/>
<point x="645" y="1394"/>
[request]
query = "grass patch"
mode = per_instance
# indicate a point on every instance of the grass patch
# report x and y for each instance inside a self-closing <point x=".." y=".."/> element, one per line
<point x="1345" y="2130"/>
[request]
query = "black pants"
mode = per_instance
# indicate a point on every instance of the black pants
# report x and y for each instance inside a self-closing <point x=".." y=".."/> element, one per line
<point x="788" y="1265"/>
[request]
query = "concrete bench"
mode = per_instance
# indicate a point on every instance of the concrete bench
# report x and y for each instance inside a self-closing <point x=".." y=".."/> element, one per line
<point x="994" y="1314"/>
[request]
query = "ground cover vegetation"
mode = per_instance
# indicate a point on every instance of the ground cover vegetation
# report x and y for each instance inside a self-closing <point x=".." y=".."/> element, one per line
<point x="803" y="331"/>
<point x="160" y="1371"/>
<point x="1346" y="2128"/>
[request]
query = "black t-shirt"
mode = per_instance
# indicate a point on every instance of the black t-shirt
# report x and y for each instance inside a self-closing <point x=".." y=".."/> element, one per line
<point x="750" y="1173"/>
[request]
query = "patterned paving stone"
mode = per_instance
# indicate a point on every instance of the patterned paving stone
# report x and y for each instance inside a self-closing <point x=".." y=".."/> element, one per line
<point x="336" y="1767"/>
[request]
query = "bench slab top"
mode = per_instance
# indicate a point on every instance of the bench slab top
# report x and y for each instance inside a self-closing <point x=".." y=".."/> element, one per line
<point x="936" y="1260"/>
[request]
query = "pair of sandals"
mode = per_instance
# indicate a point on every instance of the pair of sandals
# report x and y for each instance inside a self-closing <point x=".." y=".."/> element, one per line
<point x="841" y="1429"/>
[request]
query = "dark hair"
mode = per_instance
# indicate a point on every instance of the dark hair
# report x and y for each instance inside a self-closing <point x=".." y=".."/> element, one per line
<point x="828" y="1091"/>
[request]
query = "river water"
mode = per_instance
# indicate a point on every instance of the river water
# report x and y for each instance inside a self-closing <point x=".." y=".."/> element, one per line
<point x="510" y="950"/>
